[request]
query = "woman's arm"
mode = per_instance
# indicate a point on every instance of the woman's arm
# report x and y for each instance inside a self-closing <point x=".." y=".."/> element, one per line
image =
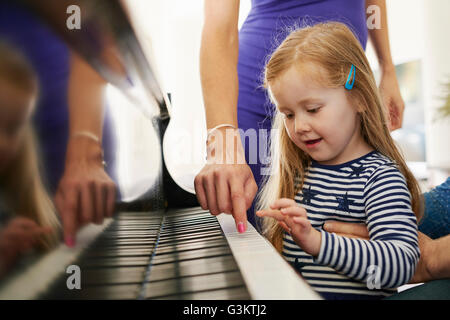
<point x="85" y="193"/>
<point x="389" y="88"/>
<point x="218" y="61"/>
<point x="223" y="186"/>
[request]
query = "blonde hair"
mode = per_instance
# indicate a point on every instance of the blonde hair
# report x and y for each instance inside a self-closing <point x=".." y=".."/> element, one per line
<point x="21" y="182"/>
<point x="334" y="48"/>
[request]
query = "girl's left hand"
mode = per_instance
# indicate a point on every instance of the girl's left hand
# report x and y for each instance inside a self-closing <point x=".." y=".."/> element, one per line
<point x="294" y="220"/>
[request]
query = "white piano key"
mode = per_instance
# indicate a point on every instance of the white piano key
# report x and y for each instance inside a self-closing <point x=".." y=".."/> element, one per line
<point x="267" y="275"/>
<point x="36" y="278"/>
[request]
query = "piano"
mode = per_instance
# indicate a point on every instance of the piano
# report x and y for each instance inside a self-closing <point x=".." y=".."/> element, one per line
<point x="161" y="245"/>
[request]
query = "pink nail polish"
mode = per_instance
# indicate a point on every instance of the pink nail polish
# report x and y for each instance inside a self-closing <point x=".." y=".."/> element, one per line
<point x="70" y="242"/>
<point x="241" y="227"/>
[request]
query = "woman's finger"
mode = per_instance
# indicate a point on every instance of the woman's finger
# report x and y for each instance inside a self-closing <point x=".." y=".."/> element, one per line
<point x="68" y="206"/>
<point x="239" y="205"/>
<point x="209" y="186"/>
<point x="110" y="200"/>
<point x="200" y="192"/>
<point x="223" y="198"/>
<point x="99" y="204"/>
<point x="87" y="203"/>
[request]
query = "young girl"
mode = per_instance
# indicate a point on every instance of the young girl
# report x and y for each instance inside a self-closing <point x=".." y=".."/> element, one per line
<point x="334" y="160"/>
<point x="27" y="215"/>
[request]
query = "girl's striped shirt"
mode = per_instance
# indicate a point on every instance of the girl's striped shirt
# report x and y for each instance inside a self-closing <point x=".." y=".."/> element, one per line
<point x="369" y="190"/>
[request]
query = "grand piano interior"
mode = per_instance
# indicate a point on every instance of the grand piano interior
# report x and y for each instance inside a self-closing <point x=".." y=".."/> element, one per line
<point x="161" y="245"/>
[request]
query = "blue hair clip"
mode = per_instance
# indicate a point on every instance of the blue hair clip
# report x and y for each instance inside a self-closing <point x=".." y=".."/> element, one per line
<point x="352" y="72"/>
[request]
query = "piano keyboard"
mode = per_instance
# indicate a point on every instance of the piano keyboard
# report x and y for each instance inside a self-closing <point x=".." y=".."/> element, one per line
<point x="179" y="254"/>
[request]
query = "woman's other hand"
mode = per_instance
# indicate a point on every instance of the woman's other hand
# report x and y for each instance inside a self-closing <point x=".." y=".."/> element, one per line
<point x="85" y="193"/>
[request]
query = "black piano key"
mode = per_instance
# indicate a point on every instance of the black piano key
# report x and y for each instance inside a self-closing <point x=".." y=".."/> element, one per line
<point x="102" y="276"/>
<point x="190" y="255"/>
<point x="107" y="292"/>
<point x="119" y="252"/>
<point x="233" y="293"/>
<point x="123" y="242"/>
<point x="209" y="282"/>
<point x="179" y="247"/>
<point x="192" y="268"/>
<point x="115" y="262"/>
<point x="198" y="235"/>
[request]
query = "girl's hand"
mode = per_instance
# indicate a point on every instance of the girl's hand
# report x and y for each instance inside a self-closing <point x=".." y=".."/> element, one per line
<point x="18" y="237"/>
<point x="294" y="220"/>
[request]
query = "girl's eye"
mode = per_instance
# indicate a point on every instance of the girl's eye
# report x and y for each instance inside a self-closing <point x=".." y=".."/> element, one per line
<point x="289" y="116"/>
<point x="313" y="110"/>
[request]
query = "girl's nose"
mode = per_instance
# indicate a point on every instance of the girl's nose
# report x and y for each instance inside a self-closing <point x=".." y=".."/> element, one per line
<point x="301" y="125"/>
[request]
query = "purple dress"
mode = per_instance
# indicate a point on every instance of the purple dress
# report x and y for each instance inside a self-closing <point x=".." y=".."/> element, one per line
<point x="49" y="57"/>
<point x="266" y="26"/>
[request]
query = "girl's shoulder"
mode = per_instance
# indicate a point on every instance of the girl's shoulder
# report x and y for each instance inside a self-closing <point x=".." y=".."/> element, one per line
<point x="377" y="163"/>
<point x="382" y="169"/>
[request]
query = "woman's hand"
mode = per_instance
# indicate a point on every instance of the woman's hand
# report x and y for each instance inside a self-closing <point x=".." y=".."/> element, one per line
<point x="349" y="230"/>
<point x="392" y="99"/>
<point x="85" y="193"/>
<point x="19" y="236"/>
<point x="294" y="220"/>
<point x="226" y="183"/>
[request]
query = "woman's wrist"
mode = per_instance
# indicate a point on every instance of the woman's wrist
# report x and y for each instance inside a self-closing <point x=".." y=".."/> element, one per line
<point x="387" y="68"/>
<point x="84" y="148"/>
<point x="224" y="145"/>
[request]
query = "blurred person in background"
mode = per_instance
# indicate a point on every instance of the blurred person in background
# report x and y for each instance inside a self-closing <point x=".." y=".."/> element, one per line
<point x="74" y="132"/>
<point x="27" y="215"/>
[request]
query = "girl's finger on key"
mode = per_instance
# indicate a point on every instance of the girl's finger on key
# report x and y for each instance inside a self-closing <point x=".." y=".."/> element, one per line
<point x="270" y="213"/>
<point x="294" y="211"/>
<point x="283" y="203"/>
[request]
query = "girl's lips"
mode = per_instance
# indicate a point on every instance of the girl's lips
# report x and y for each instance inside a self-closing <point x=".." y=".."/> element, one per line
<point x="312" y="143"/>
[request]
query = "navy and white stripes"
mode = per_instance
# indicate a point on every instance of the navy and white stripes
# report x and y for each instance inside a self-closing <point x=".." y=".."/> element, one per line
<point x="368" y="190"/>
